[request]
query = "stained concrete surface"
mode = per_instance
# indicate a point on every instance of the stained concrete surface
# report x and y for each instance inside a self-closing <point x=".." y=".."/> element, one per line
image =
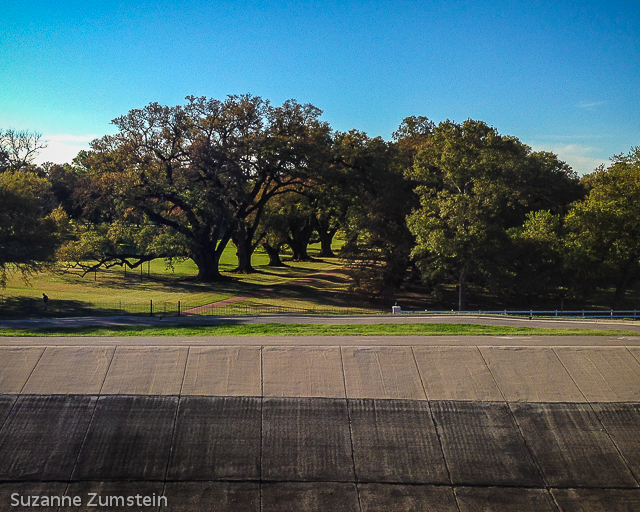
<point x="571" y="446"/>
<point x="129" y="439"/>
<point x="313" y="452"/>
<point x="223" y="371"/>
<point x="381" y="372"/>
<point x="42" y="435"/>
<point x="456" y="373"/>
<point x="16" y="364"/>
<point x="603" y="374"/>
<point x="597" y="500"/>
<point x="418" y="498"/>
<point x="306" y="440"/>
<point x="303" y="372"/>
<point x="531" y="375"/>
<point x="212" y="497"/>
<point x="483" y="445"/>
<point x="216" y="438"/>
<point x="310" y="497"/>
<point x="622" y="423"/>
<point x="503" y="499"/>
<point x="70" y="370"/>
<point x="146" y="371"/>
<point x="396" y="441"/>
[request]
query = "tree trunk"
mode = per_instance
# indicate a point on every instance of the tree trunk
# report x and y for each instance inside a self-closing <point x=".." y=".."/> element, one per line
<point x="244" y="251"/>
<point x="298" y="240"/>
<point x="299" y="248"/>
<point x="207" y="263"/>
<point x="462" y="289"/>
<point x="274" y="255"/>
<point x="326" y="237"/>
<point x="623" y="283"/>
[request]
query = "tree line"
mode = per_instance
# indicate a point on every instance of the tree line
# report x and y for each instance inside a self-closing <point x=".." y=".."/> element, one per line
<point x="448" y="203"/>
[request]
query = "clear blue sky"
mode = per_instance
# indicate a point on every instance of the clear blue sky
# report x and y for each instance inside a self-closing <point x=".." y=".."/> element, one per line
<point x="559" y="75"/>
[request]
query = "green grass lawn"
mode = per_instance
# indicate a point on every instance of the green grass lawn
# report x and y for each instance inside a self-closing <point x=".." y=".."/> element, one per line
<point x="274" y="329"/>
<point x="115" y="291"/>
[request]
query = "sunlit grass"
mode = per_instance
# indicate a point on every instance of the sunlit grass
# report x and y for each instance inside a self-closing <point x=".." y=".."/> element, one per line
<point x="275" y="329"/>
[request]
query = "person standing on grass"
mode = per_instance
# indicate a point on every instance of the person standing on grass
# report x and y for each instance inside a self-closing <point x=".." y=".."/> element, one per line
<point x="45" y="301"/>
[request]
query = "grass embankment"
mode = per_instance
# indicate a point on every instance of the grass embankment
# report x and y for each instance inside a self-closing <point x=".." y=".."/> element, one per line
<point x="274" y="329"/>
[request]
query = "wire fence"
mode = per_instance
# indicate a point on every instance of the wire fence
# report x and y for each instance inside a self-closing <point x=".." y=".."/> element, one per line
<point x="20" y="307"/>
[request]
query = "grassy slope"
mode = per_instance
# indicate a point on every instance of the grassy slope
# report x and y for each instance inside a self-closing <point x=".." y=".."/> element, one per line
<point x="313" y="330"/>
<point x="110" y="289"/>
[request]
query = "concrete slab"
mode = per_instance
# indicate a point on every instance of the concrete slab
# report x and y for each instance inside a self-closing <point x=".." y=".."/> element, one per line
<point x="6" y="403"/>
<point x="396" y="441"/>
<point x="16" y="364"/>
<point x="571" y="446"/>
<point x="456" y="373"/>
<point x="216" y="438"/>
<point x="482" y="444"/>
<point x="146" y="371"/>
<point x="531" y="375"/>
<point x="54" y="491"/>
<point x="306" y="439"/>
<point x="114" y="496"/>
<point x="42" y="436"/>
<point x="223" y="371"/>
<point x="310" y="497"/>
<point x="129" y="439"/>
<point x="302" y="372"/>
<point x="70" y="370"/>
<point x="622" y="423"/>
<point x="503" y="499"/>
<point x="597" y="500"/>
<point x="603" y="374"/>
<point x="416" y="498"/>
<point x="212" y="497"/>
<point x="381" y="372"/>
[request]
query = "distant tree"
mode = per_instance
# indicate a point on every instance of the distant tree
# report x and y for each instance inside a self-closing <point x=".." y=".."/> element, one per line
<point x="377" y="241"/>
<point x="202" y="173"/>
<point x="31" y="226"/>
<point x="18" y="148"/>
<point x="604" y="228"/>
<point x="474" y="184"/>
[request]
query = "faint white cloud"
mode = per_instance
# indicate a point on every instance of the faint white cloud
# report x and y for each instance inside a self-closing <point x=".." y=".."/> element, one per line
<point x="583" y="159"/>
<point x="63" y="148"/>
<point x="590" y="104"/>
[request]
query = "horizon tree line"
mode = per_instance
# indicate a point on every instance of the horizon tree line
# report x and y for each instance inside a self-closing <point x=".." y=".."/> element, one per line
<point x="452" y="203"/>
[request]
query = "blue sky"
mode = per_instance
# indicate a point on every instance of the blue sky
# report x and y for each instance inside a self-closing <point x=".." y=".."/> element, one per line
<point x="559" y="75"/>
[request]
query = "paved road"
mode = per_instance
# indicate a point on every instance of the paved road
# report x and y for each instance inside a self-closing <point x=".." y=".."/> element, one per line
<point x="444" y="424"/>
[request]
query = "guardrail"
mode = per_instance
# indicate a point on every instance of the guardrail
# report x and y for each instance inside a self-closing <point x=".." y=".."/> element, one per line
<point x="583" y="313"/>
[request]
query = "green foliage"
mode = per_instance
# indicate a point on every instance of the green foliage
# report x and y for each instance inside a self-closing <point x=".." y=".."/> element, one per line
<point x="31" y="226"/>
<point x="474" y="184"/>
<point x="604" y="229"/>
<point x="377" y="241"/>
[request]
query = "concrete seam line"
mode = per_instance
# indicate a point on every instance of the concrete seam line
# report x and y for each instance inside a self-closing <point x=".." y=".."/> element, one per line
<point x="415" y="361"/>
<point x="553" y="349"/>
<point x="184" y="372"/>
<point x="491" y="373"/>
<point x="604" y="428"/>
<point x="353" y="458"/>
<point x="172" y="442"/>
<point x="632" y="354"/>
<point x="113" y="355"/>
<point x="32" y="370"/>
<point x="84" y="439"/>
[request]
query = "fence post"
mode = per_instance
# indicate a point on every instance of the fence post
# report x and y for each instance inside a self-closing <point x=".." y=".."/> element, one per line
<point x="178" y="308"/>
<point x="151" y="307"/>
